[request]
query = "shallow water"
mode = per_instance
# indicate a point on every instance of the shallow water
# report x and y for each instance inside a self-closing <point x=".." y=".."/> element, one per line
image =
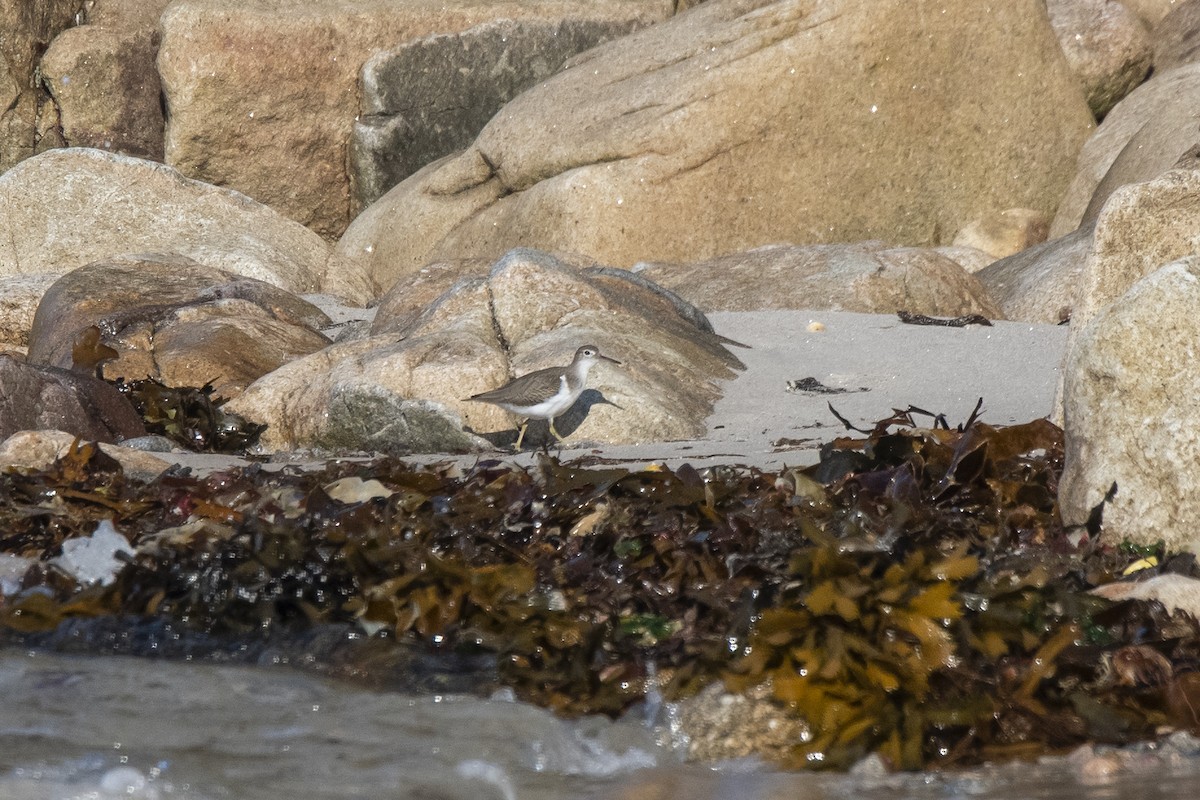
<point x="109" y="727"/>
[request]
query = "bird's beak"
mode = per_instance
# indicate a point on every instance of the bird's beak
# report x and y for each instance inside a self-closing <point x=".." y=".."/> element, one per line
<point x="613" y="360"/>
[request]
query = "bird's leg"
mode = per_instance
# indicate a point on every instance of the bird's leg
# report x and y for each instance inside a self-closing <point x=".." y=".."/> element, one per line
<point x="521" y="434"/>
<point x="554" y="432"/>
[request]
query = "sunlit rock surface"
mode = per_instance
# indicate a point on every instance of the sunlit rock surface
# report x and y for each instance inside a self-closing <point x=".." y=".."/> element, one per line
<point x="70" y="207"/>
<point x="744" y="122"/>
<point x="530" y="312"/>
<point x="1132" y="411"/>
<point x="263" y="94"/>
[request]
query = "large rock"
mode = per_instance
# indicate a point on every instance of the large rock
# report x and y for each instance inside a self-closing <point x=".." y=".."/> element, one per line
<point x="404" y="391"/>
<point x="105" y="84"/>
<point x="1132" y="409"/>
<point x="1177" y="37"/>
<point x="1107" y="46"/>
<point x="868" y="277"/>
<point x="429" y="98"/>
<point x="744" y="122"/>
<point x="262" y="95"/>
<point x="67" y="208"/>
<point x="1146" y="133"/>
<point x="1040" y="284"/>
<point x="1142" y="227"/>
<point x="36" y="397"/>
<point x="27" y="122"/>
<point x="177" y="321"/>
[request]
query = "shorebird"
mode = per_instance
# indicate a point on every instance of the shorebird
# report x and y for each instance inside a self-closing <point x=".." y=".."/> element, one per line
<point x="546" y="393"/>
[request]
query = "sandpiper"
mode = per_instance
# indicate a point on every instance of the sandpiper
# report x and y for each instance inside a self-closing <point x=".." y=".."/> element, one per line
<point x="546" y="393"/>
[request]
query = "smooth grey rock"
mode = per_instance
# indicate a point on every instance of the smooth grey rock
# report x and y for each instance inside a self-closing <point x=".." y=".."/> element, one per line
<point x="1148" y="132"/>
<point x="1151" y="12"/>
<point x="1041" y="284"/>
<point x="869" y="277"/>
<point x="67" y="208"/>
<point x="1177" y="37"/>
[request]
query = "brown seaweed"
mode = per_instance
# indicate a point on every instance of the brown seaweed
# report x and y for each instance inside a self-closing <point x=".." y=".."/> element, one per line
<point x="913" y="595"/>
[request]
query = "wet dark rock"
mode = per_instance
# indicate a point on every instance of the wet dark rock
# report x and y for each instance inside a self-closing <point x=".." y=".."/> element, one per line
<point x="36" y="397"/>
<point x="172" y="319"/>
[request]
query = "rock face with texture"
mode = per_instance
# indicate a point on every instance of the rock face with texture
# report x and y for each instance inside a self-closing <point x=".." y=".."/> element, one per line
<point x="1040" y="284"/>
<point x="28" y="123"/>
<point x="1148" y="132"/>
<point x="744" y="122"/>
<point x="36" y="397"/>
<point x="1142" y="227"/>
<point x="104" y="82"/>
<point x="429" y="98"/>
<point x="41" y="448"/>
<point x="1107" y="46"/>
<point x="1132" y="410"/>
<point x="867" y="277"/>
<point x="404" y="391"/>
<point x="19" y="298"/>
<point x="177" y="321"/>
<point x="401" y="305"/>
<point x="262" y="95"/>
<point x="67" y="208"/>
<point x="1006" y="232"/>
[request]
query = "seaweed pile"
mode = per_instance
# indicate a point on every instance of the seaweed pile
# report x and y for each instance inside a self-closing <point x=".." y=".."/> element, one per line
<point x="913" y="595"/>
